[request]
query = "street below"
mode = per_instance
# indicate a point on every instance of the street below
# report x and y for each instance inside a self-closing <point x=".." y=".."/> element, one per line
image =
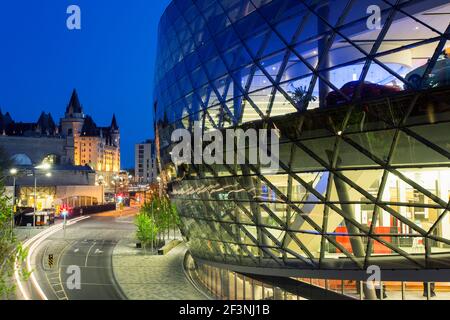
<point x="76" y="264"/>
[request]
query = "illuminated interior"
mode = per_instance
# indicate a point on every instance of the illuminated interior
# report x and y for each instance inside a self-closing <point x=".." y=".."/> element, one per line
<point x="363" y="115"/>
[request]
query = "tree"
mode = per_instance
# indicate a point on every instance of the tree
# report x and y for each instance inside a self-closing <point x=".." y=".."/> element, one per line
<point x="163" y="213"/>
<point x="147" y="229"/>
<point x="10" y="248"/>
<point x="170" y="215"/>
<point x="174" y="218"/>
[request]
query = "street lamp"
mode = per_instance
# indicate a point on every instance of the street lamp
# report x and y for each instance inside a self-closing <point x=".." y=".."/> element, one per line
<point x="116" y="179"/>
<point x="44" y="167"/>
<point x="64" y="213"/>
<point x="13" y="173"/>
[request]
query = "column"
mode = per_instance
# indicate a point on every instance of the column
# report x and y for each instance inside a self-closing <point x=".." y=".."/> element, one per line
<point x="324" y="89"/>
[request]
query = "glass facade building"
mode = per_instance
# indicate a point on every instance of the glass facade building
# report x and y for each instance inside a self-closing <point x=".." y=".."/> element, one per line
<point x="359" y="93"/>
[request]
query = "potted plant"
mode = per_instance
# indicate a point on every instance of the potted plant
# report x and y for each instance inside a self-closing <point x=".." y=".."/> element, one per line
<point x="301" y="98"/>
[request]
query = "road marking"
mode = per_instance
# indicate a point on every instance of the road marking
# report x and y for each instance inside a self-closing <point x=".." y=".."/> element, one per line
<point x="66" y="248"/>
<point x="90" y="267"/>
<point x="58" y="287"/>
<point x="98" y="284"/>
<point x="89" y="251"/>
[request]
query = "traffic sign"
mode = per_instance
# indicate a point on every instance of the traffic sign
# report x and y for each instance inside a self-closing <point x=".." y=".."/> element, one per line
<point x="50" y="260"/>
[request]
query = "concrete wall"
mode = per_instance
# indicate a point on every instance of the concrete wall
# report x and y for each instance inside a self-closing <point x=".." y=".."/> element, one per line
<point x="63" y="192"/>
<point x="35" y="148"/>
<point x="58" y="178"/>
<point x="60" y="193"/>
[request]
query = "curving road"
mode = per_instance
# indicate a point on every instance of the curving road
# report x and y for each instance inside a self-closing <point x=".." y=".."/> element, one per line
<point x="86" y="246"/>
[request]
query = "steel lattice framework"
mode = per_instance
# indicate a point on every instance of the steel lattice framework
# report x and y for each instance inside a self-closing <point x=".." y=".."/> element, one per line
<point x="358" y="185"/>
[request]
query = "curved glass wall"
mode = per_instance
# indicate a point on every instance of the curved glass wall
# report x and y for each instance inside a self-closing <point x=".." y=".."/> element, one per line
<point x="359" y="93"/>
<point x="250" y="59"/>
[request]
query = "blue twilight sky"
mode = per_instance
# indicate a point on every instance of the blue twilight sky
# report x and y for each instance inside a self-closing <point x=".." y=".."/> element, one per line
<point x="110" y="61"/>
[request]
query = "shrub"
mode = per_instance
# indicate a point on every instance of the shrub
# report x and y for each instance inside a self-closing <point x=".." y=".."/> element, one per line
<point x="10" y="248"/>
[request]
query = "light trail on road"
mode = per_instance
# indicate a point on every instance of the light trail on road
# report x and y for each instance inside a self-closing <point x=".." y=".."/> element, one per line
<point x="32" y="244"/>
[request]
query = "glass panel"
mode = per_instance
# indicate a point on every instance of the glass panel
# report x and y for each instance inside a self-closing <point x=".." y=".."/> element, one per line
<point x="240" y="287"/>
<point x="377" y="143"/>
<point x="258" y="290"/>
<point x="352" y="289"/>
<point x="268" y="293"/>
<point x="415" y="291"/>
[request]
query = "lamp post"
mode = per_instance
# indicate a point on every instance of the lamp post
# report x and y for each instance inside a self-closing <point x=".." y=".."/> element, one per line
<point x="35" y="199"/>
<point x="13" y="173"/>
<point x="115" y="178"/>
<point x="44" y="167"/>
<point x="64" y="214"/>
<point x="154" y="224"/>
<point x="160" y="192"/>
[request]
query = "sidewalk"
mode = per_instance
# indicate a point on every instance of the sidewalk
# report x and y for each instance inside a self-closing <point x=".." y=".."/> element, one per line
<point x="25" y="233"/>
<point x="144" y="277"/>
<point x="126" y="212"/>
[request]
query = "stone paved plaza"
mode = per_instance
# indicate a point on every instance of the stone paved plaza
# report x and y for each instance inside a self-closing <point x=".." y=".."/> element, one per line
<point x="145" y="277"/>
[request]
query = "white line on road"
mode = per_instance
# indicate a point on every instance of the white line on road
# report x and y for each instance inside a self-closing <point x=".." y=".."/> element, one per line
<point x="88" y="253"/>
